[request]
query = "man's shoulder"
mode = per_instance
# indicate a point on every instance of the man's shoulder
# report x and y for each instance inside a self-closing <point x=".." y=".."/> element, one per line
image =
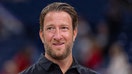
<point x="33" y="69"/>
<point x="36" y="68"/>
<point x="84" y="70"/>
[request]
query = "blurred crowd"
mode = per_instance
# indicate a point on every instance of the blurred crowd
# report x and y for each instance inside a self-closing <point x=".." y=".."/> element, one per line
<point x="104" y="45"/>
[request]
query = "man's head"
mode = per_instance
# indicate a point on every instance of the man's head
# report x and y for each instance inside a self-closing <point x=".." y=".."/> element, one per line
<point x="58" y="29"/>
<point x="58" y="6"/>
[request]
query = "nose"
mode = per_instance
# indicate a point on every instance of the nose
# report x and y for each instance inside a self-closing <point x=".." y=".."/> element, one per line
<point x="57" y="35"/>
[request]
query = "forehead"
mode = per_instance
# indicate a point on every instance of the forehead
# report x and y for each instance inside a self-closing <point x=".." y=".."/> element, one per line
<point x="58" y="17"/>
<point x="58" y="14"/>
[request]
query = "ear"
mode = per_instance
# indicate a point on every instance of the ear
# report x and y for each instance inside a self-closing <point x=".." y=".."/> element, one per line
<point x="41" y="35"/>
<point x="75" y="31"/>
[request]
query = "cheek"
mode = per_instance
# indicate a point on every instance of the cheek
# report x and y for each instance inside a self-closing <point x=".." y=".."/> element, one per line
<point x="68" y="36"/>
<point x="47" y="37"/>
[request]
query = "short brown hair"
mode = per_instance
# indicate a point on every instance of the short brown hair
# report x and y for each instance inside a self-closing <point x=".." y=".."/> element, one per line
<point x="59" y="6"/>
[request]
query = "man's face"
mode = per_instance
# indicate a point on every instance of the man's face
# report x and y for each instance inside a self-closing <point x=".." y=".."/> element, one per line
<point x="58" y="35"/>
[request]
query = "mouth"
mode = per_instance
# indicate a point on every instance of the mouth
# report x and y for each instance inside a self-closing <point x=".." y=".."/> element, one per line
<point x="58" y="44"/>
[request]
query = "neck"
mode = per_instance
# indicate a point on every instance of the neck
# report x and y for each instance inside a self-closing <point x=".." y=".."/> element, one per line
<point x="63" y="64"/>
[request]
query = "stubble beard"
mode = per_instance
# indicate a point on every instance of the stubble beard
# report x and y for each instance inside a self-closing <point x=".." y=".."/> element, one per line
<point x="53" y="54"/>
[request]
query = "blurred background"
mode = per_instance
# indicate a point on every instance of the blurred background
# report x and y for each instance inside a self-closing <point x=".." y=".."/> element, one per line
<point x="104" y="41"/>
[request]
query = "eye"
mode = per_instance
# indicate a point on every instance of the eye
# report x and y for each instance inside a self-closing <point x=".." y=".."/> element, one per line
<point x="50" y="28"/>
<point x="64" y="28"/>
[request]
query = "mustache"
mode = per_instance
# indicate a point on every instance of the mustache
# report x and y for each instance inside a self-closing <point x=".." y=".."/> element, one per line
<point x="58" y="41"/>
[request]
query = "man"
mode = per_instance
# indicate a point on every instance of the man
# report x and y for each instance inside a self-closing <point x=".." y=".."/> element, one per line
<point x="58" y="30"/>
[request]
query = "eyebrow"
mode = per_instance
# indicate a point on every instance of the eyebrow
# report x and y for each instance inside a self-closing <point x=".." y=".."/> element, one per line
<point x="64" y="25"/>
<point x="60" y="24"/>
<point x="49" y="25"/>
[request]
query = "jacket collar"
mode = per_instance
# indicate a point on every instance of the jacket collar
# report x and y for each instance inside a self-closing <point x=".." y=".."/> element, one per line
<point x="46" y="64"/>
